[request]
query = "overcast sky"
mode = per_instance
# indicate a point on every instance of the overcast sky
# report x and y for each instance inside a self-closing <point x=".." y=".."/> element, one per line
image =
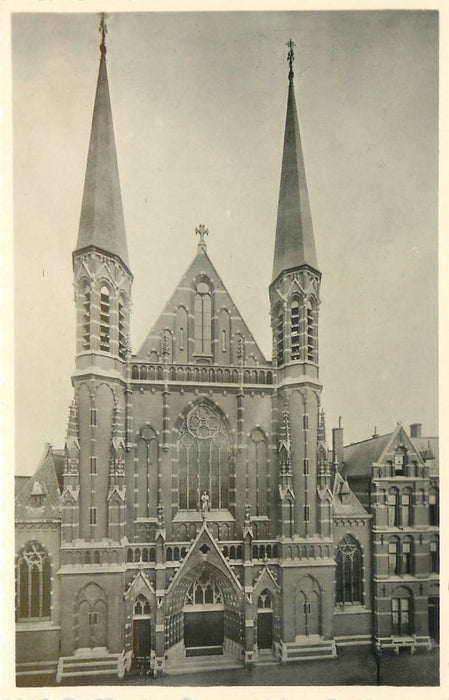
<point x="199" y="109"/>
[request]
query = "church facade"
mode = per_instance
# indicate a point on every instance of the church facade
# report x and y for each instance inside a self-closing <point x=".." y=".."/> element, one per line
<point x="196" y="516"/>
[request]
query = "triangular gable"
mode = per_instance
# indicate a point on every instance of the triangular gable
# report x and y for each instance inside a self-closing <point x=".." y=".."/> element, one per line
<point x="45" y="481"/>
<point x="398" y="438"/>
<point x="140" y="584"/>
<point x="266" y="579"/>
<point x="214" y="556"/>
<point x="183" y="298"/>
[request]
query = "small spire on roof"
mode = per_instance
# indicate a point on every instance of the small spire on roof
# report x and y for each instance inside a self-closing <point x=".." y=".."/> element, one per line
<point x="202" y="232"/>
<point x="290" y="58"/>
<point x="103" y="29"/>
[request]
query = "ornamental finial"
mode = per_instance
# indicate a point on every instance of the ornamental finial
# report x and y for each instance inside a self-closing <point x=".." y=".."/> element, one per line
<point x="202" y="231"/>
<point x="290" y="58"/>
<point x="103" y="31"/>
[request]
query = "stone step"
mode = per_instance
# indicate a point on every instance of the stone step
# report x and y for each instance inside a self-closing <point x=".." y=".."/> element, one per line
<point x="202" y="664"/>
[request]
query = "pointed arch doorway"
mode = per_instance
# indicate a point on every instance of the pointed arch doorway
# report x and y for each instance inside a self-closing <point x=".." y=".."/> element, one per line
<point x="204" y="617"/>
<point x="142" y="628"/>
<point x="265" y="620"/>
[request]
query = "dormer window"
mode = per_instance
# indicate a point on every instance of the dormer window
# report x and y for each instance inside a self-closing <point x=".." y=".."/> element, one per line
<point x="399" y="461"/>
<point x="37" y="495"/>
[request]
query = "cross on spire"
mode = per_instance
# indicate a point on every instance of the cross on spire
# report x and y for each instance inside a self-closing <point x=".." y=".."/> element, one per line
<point x="290" y="58"/>
<point x="103" y="29"/>
<point x="202" y="232"/>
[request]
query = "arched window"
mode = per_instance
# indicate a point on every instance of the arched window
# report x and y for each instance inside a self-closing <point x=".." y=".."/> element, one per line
<point x="258" y="472"/>
<point x="86" y="317"/>
<point x="147" y="458"/>
<point x="121" y="328"/>
<point x="401" y="604"/>
<point x="204" y="590"/>
<point x="295" y="331"/>
<point x="310" y="331"/>
<point x="204" y="458"/>
<point x="279" y="334"/>
<point x="141" y="606"/>
<point x="349" y="571"/>
<point x="434" y="508"/>
<point x="33" y="583"/>
<point x="105" y="319"/>
<point x="264" y="601"/>
<point x="203" y="319"/>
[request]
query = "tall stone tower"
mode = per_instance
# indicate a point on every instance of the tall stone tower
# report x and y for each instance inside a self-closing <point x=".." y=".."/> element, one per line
<point x="94" y="507"/>
<point x="304" y="476"/>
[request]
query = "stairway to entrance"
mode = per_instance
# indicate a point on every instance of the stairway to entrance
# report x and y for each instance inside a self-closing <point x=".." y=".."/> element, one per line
<point x="200" y="664"/>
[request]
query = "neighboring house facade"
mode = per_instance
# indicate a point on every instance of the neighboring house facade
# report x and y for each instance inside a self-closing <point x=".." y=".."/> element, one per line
<point x="194" y="511"/>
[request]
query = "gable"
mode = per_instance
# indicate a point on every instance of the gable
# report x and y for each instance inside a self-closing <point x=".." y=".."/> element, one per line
<point x="399" y="440"/>
<point x="40" y="496"/>
<point x="200" y="324"/>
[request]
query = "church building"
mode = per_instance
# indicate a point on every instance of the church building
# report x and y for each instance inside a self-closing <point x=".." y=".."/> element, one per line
<point x="196" y="517"/>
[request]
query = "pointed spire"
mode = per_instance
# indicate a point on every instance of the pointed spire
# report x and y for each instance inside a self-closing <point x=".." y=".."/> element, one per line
<point x="101" y="223"/>
<point x="295" y="244"/>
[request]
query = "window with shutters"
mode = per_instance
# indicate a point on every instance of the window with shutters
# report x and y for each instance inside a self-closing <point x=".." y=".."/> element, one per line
<point x="105" y="319"/>
<point x="86" y="317"/>
<point x="295" y="331"/>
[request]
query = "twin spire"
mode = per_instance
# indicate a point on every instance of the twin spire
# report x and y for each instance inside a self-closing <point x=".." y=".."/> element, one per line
<point x="102" y="223"/>
<point x="295" y="244"/>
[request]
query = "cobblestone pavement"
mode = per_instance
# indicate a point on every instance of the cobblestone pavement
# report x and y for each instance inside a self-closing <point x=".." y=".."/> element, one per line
<point x="350" y="668"/>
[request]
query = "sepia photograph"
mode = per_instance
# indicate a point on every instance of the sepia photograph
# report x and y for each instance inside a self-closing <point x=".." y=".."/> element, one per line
<point x="225" y="235"/>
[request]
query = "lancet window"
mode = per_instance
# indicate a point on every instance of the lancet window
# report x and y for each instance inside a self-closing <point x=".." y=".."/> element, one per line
<point x="204" y="591"/>
<point x="279" y="334"/>
<point x="86" y="317"/>
<point x="121" y="329"/>
<point x="33" y="582"/>
<point x="295" y="330"/>
<point x="105" y="319"/>
<point x="204" y="459"/>
<point x="203" y="319"/>
<point x="349" y="571"/>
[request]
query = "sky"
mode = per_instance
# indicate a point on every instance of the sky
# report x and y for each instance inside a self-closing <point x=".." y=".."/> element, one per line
<point x="199" y="104"/>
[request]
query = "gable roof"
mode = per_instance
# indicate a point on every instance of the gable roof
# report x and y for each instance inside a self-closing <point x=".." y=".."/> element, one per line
<point x="350" y="504"/>
<point x="47" y="481"/>
<point x="183" y="296"/>
<point x="360" y="456"/>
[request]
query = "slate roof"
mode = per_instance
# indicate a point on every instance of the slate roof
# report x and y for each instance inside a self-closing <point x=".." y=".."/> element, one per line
<point x="352" y="505"/>
<point x="47" y="479"/>
<point x="295" y="243"/>
<point x="359" y="457"/>
<point x="102" y="223"/>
